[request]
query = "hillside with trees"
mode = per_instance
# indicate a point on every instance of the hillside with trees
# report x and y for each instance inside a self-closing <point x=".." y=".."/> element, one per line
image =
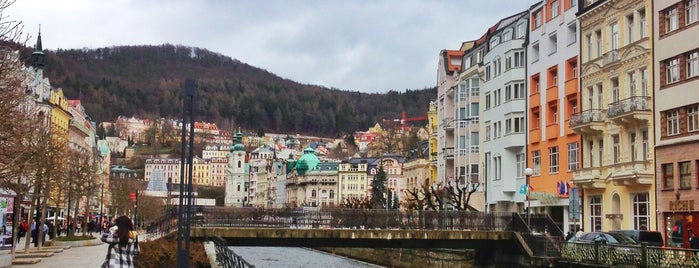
<point x="146" y="81"/>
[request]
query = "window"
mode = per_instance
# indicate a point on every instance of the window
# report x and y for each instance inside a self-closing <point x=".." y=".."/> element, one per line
<point x="520" y="165"/>
<point x="487" y="101"/>
<point x="591" y="152"/>
<point x="553" y="159"/>
<point x="494" y="42"/>
<point x="692" y="10"/>
<point x="693" y="118"/>
<point x="535" y="52"/>
<point x="692" y="64"/>
<point x="588" y="46"/>
<point x="668" y="176"/>
<point x="536" y="120"/>
<point x="552" y="77"/>
<point x="598" y="43"/>
<point x="615" y="90"/>
<point x="535" y="84"/>
<point x="497" y="168"/>
<point x="641" y="211"/>
<point x="554" y="9"/>
<point x="475" y="87"/>
<point x="685" y="175"/>
<point x="474" y="109"/>
<point x="507" y="35"/>
<point x="487" y="73"/>
<point x="518" y="90"/>
<point x="629" y="28"/>
<point x="645" y="145"/>
<point x="553" y="43"/>
<point x="672" y="71"/>
<point x="644" y="82"/>
<point x="572" y="156"/>
<point x="572" y="33"/>
<point x="519" y="59"/>
<point x="536" y="161"/>
<point x="616" y="149"/>
<point x="467" y="63"/>
<point x="521" y="29"/>
<point x="600" y="152"/>
<point x="642" y="23"/>
<point x="673" y="122"/>
<point x="462" y="142"/>
<point x="671" y="20"/>
<point x="631" y="78"/>
<point x="615" y="36"/>
<point x="497" y="97"/>
<point x="474" y="138"/>
<point x="632" y="146"/>
<point x="537" y="19"/>
<point x="487" y="131"/>
<point x="596" y="213"/>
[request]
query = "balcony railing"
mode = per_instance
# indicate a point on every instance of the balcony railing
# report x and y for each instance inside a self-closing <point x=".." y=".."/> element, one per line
<point x="447" y="123"/>
<point x="586" y="117"/>
<point x="449" y="152"/>
<point x="636" y="103"/>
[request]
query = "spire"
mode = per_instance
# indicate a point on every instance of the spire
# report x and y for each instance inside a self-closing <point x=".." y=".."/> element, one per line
<point x="38" y="57"/>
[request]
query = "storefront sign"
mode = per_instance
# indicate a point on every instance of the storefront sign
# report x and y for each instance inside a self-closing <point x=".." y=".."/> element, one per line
<point x="682" y="205"/>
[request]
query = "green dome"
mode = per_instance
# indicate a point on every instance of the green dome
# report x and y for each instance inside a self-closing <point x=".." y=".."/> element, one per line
<point x="238" y="147"/>
<point x="308" y="161"/>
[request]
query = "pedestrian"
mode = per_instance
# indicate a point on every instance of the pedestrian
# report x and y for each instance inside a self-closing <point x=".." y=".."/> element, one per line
<point x="123" y="244"/>
<point x="693" y="242"/>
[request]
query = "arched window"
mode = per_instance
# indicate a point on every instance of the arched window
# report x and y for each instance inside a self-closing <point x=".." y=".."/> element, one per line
<point x="313" y="193"/>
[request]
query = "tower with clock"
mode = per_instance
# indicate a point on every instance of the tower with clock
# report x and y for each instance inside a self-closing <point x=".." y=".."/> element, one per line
<point x="236" y="174"/>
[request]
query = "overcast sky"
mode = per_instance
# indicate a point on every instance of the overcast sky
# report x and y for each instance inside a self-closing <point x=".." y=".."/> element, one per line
<point x="363" y="45"/>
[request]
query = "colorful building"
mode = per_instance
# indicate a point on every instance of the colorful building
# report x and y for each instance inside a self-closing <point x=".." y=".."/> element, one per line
<point x="676" y="62"/>
<point x="616" y="118"/>
<point x="552" y="72"/>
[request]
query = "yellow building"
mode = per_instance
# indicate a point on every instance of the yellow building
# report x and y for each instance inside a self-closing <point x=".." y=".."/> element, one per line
<point x="432" y="131"/>
<point x="615" y="119"/>
<point x="60" y="116"/>
<point x="354" y="182"/>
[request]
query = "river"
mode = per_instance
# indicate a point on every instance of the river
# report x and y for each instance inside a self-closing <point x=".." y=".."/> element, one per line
<point x="273" y="257"/>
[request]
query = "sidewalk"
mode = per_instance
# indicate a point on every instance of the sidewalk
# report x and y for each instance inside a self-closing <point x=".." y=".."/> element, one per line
<point x="87" y="256"/>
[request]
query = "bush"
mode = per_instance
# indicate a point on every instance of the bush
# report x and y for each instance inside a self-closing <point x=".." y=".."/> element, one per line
<point x="163" y="253"/>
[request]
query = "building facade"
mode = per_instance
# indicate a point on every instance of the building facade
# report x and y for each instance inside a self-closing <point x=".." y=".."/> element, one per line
<point x="447" y="74"/>
<point x="615" y="119"/>
<point x="502" y="116"/>
<point x="676" y="114"/>
<point x="552" y="71"/>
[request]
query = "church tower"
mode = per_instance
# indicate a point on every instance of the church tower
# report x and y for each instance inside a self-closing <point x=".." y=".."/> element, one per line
<point x="236" y="174"/>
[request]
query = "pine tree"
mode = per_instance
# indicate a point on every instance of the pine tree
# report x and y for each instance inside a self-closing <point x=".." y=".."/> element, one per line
<point x="378" y="189"/>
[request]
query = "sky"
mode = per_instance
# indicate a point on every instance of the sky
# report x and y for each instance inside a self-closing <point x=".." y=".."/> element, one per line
<point x="370" y="46"/>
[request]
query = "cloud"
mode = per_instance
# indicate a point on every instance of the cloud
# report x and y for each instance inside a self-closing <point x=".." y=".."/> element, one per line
<point x="368" y="46"/>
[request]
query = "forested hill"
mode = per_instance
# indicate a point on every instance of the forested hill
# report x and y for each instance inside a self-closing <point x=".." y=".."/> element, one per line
<point x="146" y="81"/>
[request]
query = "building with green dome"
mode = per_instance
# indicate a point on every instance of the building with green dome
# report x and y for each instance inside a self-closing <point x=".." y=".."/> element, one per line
<point x="311" y="182"/>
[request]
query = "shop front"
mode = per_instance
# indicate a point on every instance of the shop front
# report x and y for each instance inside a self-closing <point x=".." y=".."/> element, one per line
<point x="679" y="218"/>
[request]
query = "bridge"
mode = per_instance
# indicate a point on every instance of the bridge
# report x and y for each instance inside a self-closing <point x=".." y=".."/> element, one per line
<point x="496" y="238"/>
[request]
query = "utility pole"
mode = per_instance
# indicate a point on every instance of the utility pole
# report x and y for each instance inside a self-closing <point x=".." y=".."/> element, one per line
<point x="184" y="209"/>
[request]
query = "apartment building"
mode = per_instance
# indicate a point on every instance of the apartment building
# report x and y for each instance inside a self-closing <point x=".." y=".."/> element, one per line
<point x="311" y="182"/>
<point x="676" y="114"/>
<point x="432" y="127"/>
<point x="615" y="121"/>
<point x="502" y="116"/>
<point x="447" y="72"/>
<point x="552" y="71"/>
<point x="353" y="178"/>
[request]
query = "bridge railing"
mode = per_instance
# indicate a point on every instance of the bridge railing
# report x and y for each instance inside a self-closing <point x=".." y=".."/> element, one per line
<point x="354" y="218"/>
<point x="162" y="225"/>
<point x="636" y="255"/>
<point x="226" y="257"/>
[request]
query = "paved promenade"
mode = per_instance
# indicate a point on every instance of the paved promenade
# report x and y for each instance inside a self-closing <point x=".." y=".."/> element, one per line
<point x="79" y="257"/>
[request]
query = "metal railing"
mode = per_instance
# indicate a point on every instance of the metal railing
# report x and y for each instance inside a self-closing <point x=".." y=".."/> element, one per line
<point x="226" y="257"/>
<point x="632" y="255"/>
<point x="588" y="116"/>
<point x="355" y="219"/>
<point x="636" y="103"/>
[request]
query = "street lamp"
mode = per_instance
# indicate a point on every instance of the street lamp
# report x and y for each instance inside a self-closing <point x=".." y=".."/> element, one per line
<point x="528" y="172"/>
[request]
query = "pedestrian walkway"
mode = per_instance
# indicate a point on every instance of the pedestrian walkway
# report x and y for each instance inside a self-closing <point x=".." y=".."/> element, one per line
<point x="86" y="256"/>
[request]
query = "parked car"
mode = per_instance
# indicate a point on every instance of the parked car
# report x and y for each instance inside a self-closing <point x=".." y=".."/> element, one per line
<point x="651" y="238"/>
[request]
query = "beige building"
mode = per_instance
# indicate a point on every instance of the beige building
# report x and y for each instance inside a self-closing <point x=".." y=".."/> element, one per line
<point x="615" y="122"/>
<point x="676" y="61"/>
<point x="353" y="178"/>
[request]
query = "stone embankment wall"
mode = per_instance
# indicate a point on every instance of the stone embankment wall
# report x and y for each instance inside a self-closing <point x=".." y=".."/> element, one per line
<point x="409" y="258"/>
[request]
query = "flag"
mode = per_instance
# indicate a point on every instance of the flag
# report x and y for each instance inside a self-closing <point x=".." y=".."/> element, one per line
<point x="529" y="188"/>
<point x="523" y="189"/>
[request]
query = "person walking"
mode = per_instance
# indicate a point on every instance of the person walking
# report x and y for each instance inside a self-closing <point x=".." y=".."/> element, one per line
<point x="693" y="243"/>
<point x="123" y="244"/>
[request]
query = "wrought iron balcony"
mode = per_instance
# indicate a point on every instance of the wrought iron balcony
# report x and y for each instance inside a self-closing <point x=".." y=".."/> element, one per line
<point x="630" y="109"/>
<point x="586" y="121"/>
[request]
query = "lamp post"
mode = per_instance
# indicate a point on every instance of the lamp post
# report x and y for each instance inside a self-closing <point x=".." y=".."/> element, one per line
<point x="528" y="173"/>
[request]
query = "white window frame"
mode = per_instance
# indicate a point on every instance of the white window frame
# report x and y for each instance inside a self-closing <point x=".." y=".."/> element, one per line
<point x="673" y="122"/>
<point x="691" y="12"/>
<point x="641" y="221"/>
<point x="553" y="160"/>
<point x="573" y="156"/>
<point x="672" y="20"/>
<point x="536" y="162"/>
<point x="520" y="165"/>
<point x="555" y="9"/>
<point x="672" y="71"/>
<point x="616" y="149"/>
<point x="596" y="212"/>
<point x="692" y="64"/>
<point x="693" y="118"/>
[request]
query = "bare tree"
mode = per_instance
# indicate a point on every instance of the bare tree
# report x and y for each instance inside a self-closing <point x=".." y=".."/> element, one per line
<point x="439" y="196"/>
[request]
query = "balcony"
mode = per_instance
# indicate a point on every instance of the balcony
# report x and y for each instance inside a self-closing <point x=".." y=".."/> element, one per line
<point x="631" y="173"/>
<point x="513" y="141"/>
<point x="631" y="110"/>
<point x="448" y="153"/>
<point x="588" y="121"/>
<point x="447" y="123"/>
<point x="589" y="178"/>
<point x="571" y="87"/>
<point x="535" y="135"/>
<point x="611" y="57"/>
<point x="552" y="94"/>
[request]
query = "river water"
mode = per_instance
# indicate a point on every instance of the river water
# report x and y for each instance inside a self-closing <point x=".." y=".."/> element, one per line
<point x="278" y="257"/>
